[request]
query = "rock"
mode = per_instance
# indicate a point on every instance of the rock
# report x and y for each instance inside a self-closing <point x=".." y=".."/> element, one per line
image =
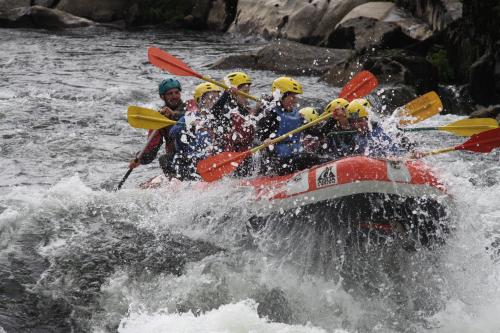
<point x="311" y="22"/>
<point x="221" y="14"/>
<point x="199" y="14"/>
<point x="456" y="99"/>
<point x="363" y="33"/>
<point x="390" y="67"/>
<point x="41" y="17"/>
<point x="490" y="112"/>
<point x="286" y="57"/>
<point x="375" y="10"/>
<point x="237" y="61"/>
<point x="97" y="10"/>
<point x="388" y="12"/>
<point x="333" y="14"/>
<point x="274" y="305"/>
<point x="438" y="13"/>
<point x="6" y="5"/>
<point x="44" y="3"/>
<point x="410" y="25"/>
<point x="482" y="80"/>
<point x="389" y="98"/>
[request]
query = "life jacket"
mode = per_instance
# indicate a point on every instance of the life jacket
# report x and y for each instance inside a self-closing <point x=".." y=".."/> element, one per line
<point x="288" y="121"/>
<point x="239" y="137"/>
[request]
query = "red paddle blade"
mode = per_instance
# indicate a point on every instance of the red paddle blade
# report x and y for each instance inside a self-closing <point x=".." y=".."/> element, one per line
<point x="169" y="63"/>
<point x="360" y="85"/>
<point x="215" y="167"/>
<point x="483" y="142"/>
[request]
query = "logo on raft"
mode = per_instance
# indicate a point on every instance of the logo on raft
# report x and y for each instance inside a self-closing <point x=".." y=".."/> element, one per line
<point x="326" y="176"/>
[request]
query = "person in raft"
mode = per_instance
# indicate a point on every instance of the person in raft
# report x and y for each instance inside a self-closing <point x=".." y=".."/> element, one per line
<point x="369" y="138"/>
<point x="288" y="155"/>
<point x="173" y="108"/>
<point x="232" y="119"/>
<point x="192" y="135"/>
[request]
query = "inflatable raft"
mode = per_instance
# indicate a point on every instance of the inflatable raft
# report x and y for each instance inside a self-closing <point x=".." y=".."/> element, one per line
<point x="358" y="194"/>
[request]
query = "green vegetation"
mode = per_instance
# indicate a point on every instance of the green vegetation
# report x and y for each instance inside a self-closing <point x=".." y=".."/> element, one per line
<point x="439" y="58"/>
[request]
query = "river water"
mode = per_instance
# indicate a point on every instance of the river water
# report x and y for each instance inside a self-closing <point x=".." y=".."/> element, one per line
<point x="77" y="257"/>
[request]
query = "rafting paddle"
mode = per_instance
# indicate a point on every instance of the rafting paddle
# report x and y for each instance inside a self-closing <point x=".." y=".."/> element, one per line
<point x="175" y="66"/>
<point x="419" y="109"/>
<point x="139" y="117"/>
<point x="136" y="160"/>
<point x="464" y="127"/>
<point x="360" y="85"/>
<point x="483" y="142"/>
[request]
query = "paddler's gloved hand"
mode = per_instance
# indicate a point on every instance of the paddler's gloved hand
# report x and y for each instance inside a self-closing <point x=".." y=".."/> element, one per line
<point x="263" y="103"/>
<point x="134" y="163"/>
<point x="168" y="112"/>
<point x="310" y="144"/>
<point x="416" y="155"/>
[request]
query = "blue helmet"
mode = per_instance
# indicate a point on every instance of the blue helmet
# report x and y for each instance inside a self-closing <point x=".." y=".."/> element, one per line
<point x="168" y="84"/>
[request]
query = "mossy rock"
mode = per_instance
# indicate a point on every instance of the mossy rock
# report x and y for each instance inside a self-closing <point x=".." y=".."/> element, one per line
<point x="439" y="58"/>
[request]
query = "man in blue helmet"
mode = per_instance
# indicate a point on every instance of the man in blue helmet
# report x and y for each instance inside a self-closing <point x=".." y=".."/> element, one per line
<point x="174" y="108"/>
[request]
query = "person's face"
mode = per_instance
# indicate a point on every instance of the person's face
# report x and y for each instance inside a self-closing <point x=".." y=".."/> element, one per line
<point x="360" y="124"/>
<point x="208" y="99"/>
<point x="289" y="101"/>
<point x="240" y="99"/>
<point x="172" y="98"/>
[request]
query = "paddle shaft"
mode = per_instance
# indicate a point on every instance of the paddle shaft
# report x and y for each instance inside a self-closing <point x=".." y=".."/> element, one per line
<point x="223" y="86"/>
<point x="445" y="128"/>
<point x="418" y="129"/>
<point x="289" y="134"/>
<point x="153" y="134"/>
<point x="437" y="151"/>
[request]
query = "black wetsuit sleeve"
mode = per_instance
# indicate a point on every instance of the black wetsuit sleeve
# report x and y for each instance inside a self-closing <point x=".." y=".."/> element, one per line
<point x="268" y="125"/>
<point x="152" y="149"/>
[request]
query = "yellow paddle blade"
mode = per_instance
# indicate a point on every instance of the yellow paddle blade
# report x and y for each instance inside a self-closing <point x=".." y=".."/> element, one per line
<point x="469" y="127"/>
<point x="140" y="117"/>
<point x="420" y="109"/>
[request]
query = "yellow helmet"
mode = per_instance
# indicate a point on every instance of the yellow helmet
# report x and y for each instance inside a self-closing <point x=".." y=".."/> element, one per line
<point x="287" y="85"/>
<point x="358" y="108"/>
<point x="238" y="78"/>
<point x="336" y="103"/>
<point x="204" y="88"/>
<point x="309" y="114"/>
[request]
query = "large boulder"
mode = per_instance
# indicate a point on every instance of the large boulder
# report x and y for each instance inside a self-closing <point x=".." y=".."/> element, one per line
<point x="389" y="12"/>
<point x="438" y="13"/>
<point x="304" y="21"/>
<point x="96" y="10"/>
<point x="221" y="14"/>
<point x="375" y="10"/>
<point x="390" y="67"/>
<point x="364" y="33"/>
<point x="286" y="57"/>
<point x="41" y="17"/>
